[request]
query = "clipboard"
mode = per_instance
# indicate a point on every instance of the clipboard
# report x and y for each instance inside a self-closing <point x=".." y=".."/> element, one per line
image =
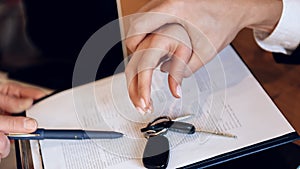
<point x="237" y="158"/>
<point x="218" y="160"/>
<point x="30" y="157"/>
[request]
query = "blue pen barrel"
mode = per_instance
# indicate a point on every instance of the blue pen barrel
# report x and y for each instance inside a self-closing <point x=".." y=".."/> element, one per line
<point x="63" y="134"/>
<point x="80" y="134"/>
<point x="102" y="135"/>
<point x="41" y="134"/>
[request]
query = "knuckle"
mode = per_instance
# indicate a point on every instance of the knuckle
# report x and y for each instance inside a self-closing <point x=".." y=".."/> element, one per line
<point x="158" y="40"/>
<point x="12" y="124"/>
<point x="136" y="26"/>
<point x="185" y="49"/>
<point x="177" y="76"/>
<point x="163" y="43"/>
<point x="187" y="73"/>
<point x="144" y="66"/>
<point x="130" y="44"/>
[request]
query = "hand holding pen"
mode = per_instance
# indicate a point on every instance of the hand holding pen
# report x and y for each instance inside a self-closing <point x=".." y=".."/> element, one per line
<point x="14" y="99"/>
<point x="74" y="134"/>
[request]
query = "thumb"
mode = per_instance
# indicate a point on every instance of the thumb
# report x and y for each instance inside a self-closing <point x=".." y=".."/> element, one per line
<point x="11" y="124"/>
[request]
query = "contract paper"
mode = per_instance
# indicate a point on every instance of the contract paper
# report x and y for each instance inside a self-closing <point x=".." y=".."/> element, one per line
<point x="222" y="96"/>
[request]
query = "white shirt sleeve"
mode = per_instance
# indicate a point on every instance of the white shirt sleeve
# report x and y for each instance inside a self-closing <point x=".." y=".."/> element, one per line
<point x="286" y="36"/>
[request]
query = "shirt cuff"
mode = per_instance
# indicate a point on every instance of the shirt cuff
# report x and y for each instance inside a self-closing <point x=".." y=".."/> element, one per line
<point x="285" y="38"/>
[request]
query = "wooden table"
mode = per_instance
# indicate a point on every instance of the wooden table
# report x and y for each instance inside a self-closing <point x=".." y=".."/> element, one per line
<point x="281" y="81"/>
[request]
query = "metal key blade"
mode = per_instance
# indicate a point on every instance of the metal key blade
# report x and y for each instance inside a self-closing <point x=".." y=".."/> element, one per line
<point x="216" y="133"/>
<point x="184" y="117"/>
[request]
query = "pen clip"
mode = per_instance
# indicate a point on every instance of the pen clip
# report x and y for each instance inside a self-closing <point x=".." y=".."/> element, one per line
<point x="22" y="135"/>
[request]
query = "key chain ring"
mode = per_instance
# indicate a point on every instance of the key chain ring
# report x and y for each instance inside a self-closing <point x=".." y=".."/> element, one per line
<point x="153" y="122"/>
<point x="152" y="125"/>
<point x="152" y="133"/>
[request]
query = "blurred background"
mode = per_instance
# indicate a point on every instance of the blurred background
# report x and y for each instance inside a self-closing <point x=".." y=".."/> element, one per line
<point x="40" y="40"/>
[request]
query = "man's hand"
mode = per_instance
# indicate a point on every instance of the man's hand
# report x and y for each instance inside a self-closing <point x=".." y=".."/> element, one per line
<point x="15" y="98"/>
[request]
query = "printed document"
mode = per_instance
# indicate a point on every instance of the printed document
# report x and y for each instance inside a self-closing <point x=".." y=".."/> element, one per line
<point x="222" y="96"/>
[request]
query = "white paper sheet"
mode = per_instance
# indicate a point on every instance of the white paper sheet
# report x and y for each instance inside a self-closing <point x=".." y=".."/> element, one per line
<point x="223" y="96"/>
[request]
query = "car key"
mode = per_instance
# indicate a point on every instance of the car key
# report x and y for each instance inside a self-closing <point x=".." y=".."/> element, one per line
<point x="165" y="123"/>
<point x="188" y="128"/>
<point x="156" y="152"/>
<point x="157" y="149"/>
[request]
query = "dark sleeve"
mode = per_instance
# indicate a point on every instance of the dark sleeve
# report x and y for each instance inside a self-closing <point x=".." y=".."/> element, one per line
<point x="294" y="58"/>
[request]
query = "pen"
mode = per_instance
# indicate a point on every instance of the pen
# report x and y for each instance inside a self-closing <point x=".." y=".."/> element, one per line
<point x="41" y="134"/>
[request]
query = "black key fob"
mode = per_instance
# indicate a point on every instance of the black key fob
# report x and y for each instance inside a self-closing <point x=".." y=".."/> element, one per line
<point x="182" y="127"/>
<point x="156" y="153"/>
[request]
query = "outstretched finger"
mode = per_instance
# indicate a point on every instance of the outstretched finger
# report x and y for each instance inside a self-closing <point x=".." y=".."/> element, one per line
<point x="148" y="62"/>
<point x="133" y="71"/>
<point x="21" y="91"/>
<point x="14" y="104"/>
<point x="133" y="94"/>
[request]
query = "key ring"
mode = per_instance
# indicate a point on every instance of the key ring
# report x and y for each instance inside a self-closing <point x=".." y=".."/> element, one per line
<point x="157" y="148"/>
<point x="152" y="133"/>
<point x="156" y="127"/>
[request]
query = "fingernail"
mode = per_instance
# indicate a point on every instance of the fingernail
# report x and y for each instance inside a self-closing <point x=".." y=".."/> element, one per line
<point x="30" y="124"/>
<point x="143" y="103"/>
<point x="26" y="104"/>
<point x="150" y="110"/>
<point x="145" y="108"/>
<point x="140" y="110"/>
<point x="179" y="91"/>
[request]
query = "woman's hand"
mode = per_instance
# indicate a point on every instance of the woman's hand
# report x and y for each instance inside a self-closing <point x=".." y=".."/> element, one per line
<point x="210" y="25"/>
<point x="168" y="47"/>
